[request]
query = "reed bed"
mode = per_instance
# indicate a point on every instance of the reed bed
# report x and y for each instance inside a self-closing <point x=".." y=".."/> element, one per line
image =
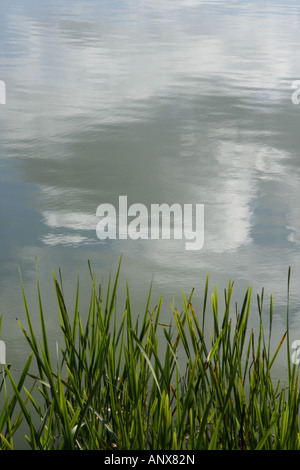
<point x="110" y="387"/>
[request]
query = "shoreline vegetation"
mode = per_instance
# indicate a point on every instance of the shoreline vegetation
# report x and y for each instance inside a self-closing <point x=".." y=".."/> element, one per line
<point x="111" y="388"/>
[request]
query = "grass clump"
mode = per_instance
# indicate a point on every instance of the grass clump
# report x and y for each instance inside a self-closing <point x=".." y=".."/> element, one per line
<point x="112" y="387"/>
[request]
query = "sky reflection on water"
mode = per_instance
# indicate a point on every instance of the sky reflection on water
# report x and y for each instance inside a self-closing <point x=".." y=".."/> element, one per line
<point x="186" y="102"/>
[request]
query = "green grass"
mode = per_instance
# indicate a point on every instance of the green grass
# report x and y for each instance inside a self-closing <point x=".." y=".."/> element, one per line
<point x="116" y="385"/>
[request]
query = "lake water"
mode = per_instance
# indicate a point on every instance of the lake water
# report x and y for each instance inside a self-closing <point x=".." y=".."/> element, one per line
<point x="186" y="102"/>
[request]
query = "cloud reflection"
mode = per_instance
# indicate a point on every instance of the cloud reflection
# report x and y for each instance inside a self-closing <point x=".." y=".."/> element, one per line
<point x="203" y="93"/>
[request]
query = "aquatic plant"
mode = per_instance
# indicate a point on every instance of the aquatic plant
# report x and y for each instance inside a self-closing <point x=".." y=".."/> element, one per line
<point x="116" y="385"/>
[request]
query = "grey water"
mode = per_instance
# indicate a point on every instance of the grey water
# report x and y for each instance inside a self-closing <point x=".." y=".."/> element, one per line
<point x="186" y="102"/>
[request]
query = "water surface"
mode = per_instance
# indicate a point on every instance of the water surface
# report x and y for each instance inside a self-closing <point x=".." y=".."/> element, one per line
<point x="162" y="101"/>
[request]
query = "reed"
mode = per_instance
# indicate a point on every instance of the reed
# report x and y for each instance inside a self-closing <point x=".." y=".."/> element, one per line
<point x="111" y="386"/>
